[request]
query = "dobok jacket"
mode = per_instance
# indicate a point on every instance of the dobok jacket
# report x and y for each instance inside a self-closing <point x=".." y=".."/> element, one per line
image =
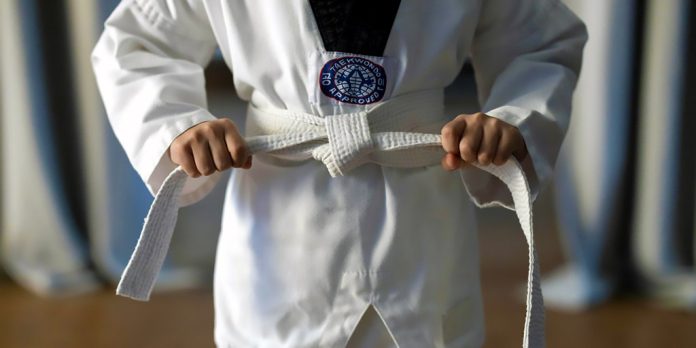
<point x="336" y="214"/>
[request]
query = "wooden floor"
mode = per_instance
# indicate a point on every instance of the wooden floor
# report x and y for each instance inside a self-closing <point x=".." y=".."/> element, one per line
<point x="185" y="319"/>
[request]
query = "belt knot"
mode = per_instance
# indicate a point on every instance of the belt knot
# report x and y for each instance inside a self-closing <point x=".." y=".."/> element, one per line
<point x="345" y="141"/>
<point x="349" y="142"/>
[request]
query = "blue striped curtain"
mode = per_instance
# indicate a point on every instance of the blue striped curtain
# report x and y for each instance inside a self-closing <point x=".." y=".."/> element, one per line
<point x="43" y="227"/>
<point x="72" y="206"/>
<point x="625" y="179"/>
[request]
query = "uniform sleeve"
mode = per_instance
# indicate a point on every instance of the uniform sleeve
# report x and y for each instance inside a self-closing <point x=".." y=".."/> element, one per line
<point x="149" y="67"/>
<point x="526" y="56"/>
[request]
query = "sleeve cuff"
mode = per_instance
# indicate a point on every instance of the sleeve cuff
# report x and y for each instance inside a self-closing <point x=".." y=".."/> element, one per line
<point x="154" y="163"/>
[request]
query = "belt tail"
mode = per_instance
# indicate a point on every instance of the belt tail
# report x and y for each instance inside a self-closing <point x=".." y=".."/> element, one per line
<point x="146" y="261"/>
<point x="512" y="175"/>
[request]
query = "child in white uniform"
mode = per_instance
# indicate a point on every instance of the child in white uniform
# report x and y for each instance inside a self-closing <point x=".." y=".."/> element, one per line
<point x="305" y="251"/>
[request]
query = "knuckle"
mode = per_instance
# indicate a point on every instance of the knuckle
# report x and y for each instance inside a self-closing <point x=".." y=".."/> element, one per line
<point x="175" y="149"/>
<point x="493" y="135"/>
<point x="202" y="130"/>
<point x="198" y="136"/>
<point x="180" y="144"/>
<point x="448" y="131"/>
<point x="228" y="124"/>
<point x="207" y="126"/>
<point x="217" y="131"/>
<point x="188" y="140"/>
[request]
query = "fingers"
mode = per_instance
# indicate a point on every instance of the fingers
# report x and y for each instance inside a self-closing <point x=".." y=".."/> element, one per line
<point x="505" y="149"/>
<point x="203" y="158"/>
<point x="489" y="142"/>
<point x="183" y="156"/>
<point x="209" y="147"/>
<point x="236" y="147"/>
<point x="221" y="157"/>
<point x="482" y="139"/>
<point x="471" y="141"/>
<point x="451" y="134"/>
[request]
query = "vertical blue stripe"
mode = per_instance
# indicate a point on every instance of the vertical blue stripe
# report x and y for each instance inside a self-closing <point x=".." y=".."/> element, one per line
<point x="106" y="7"/>
<point x="40" y="118"/>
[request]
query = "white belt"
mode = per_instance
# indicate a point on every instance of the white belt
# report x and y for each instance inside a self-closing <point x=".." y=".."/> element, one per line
<point x="341" y="142"/>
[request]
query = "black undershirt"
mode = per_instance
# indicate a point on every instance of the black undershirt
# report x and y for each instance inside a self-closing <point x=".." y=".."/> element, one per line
<point x="355" y="26"/>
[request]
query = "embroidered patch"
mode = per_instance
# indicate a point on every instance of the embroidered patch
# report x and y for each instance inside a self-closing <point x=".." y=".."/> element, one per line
<point x="353" y="80"/>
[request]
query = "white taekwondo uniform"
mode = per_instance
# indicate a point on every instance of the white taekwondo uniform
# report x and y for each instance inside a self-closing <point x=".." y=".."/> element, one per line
<point x="303" y="251"/>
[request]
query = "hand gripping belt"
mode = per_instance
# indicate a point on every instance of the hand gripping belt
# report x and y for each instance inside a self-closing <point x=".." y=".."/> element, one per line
<point x="341" y="142"/>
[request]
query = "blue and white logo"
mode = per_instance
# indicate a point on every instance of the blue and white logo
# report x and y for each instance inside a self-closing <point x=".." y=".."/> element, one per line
<point x="353" y="80"/>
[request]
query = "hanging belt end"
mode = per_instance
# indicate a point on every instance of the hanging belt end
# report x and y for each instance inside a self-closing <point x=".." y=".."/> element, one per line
<point x="133" y="292"/>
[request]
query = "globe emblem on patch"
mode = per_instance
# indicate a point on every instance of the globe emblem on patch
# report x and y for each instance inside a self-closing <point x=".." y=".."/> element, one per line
<point x="353" y="80"/>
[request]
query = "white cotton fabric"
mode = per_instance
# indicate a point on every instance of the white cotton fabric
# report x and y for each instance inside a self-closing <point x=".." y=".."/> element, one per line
<point x="302" y="254"/>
